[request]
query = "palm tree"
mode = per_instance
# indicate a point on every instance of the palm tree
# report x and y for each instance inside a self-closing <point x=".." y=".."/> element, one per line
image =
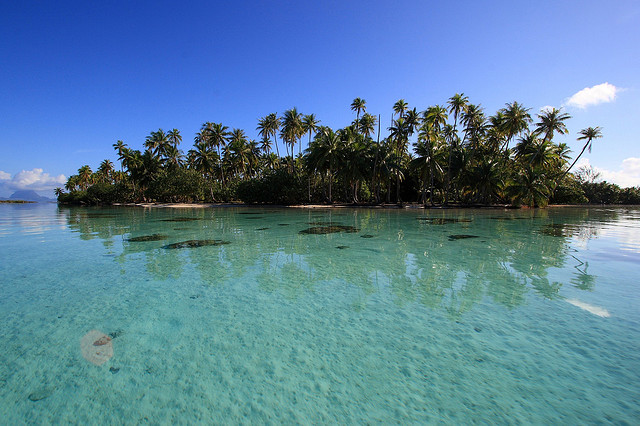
<point x="358" y="105"/>
<point x="552" y="121"/>
<point x="457" y="104"/>
<point x="589" y="134"/>
<point x="273" y="126"/>
<point x="400" y="107"/>
<point x="265" y="144"/>
<point x="367" y="124"/>
<point x="434" y="118"/>
<point x="120" y="146"/>
<point x="475" y="124"/>
<point x="204" y="160"/>
<point x="309" y="124"/>
<point x="291" y="129"/>
<point x="85" y="177"/>
<point x="238" y="149"/>
<point x="174" y="137"/>
<point x="516" y="119"/>
<point x="156" y="142"/>
<point x="105" y="171"/>
<point x="324" y="152"/>
<point x="174" y="157"/>
<point x="399" y="134"/>
<point x="58" y="192"/>
<point x="218" y="135"/>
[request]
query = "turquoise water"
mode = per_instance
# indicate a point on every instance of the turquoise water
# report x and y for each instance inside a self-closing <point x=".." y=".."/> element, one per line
<point x="457" y="316"/>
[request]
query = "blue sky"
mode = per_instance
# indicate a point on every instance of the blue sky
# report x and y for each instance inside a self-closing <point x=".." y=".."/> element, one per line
<point x="77" y="76"/>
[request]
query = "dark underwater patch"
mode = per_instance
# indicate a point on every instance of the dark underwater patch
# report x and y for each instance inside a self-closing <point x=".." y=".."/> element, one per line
<point x="284" y="224"/>
<point x="101" y="215"/>
<point x="342" y="247"/>
<point x="461" y="237"/>
<point x="143" y="238"/>
<point x="261" y="229"/>
<point x="332" y="229"/>
<point x="181" y="219"/>
<point x="367" y="236"/>
<point x="196" y="243"/>
<point x="442" y="220"/>
<point x="557" y="230"/>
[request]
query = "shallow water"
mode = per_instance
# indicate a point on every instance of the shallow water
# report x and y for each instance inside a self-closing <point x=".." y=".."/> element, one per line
<point x="458" y="316"/>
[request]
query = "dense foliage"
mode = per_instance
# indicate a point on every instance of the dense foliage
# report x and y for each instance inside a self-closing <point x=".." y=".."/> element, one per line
<point x="453" y="154"/>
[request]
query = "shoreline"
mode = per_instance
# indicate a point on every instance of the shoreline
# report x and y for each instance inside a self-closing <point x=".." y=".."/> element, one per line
<point x="405" y="206"/>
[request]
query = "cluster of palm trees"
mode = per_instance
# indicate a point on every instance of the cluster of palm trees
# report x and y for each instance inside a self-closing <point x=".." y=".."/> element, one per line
<point x="452" y="153"/>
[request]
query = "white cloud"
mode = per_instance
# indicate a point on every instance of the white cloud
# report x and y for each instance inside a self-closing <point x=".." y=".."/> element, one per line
<point x="601" y="93"/>
<point x="628" y="175"/>
<point x="35" y="179"/>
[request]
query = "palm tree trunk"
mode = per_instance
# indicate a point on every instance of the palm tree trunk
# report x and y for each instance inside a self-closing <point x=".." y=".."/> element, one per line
<point x="576" y="160"/>
<point x="330" y="179"/>
<point x="375" y="165"/>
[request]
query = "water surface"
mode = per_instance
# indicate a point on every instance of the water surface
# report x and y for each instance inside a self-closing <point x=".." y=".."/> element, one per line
<point x="236" y="315"/>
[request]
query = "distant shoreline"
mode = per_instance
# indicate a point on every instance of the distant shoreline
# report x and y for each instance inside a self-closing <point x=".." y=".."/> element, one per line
<point x="405" y="206"/>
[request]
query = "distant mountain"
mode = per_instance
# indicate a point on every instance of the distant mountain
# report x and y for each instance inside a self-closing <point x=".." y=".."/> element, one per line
<point x="28" y="195"/>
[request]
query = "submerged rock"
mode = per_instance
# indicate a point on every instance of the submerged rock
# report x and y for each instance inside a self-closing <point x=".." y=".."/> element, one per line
<point x="284" y="224"/>
<point x="342" y="247"/>
<point x="442" y="220"/>
<point x="116" y="334"/>
<point x="261" y="229"/>
<point x="332" y="229"/>
<point x="181" y="219"/>
<point x="367" y="236"/>
<point x="143" y="238"/>
<point x="196" y="243"/>
<point x="114" y="370"/>
<point x="461" y="237"/>
<point x="104" y="340"/>
<point x="40" y="394"/>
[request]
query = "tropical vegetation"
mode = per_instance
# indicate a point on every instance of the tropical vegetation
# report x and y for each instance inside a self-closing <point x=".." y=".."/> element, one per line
<point x="450" y="154"/>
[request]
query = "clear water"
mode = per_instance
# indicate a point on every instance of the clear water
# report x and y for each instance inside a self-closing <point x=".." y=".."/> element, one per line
<point x="535" y="320"/>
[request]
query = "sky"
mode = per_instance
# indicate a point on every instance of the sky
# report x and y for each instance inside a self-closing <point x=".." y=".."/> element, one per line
<point x="75" y="77"/>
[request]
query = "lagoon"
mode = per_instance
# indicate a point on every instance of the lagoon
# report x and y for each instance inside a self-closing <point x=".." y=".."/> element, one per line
<point x="270" y="315"/>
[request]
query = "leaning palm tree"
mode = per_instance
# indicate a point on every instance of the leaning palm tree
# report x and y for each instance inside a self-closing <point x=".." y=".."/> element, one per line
<point x="309" y="125"/>
<point x="358" y="105"/>
<point x="589" y="134"/>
